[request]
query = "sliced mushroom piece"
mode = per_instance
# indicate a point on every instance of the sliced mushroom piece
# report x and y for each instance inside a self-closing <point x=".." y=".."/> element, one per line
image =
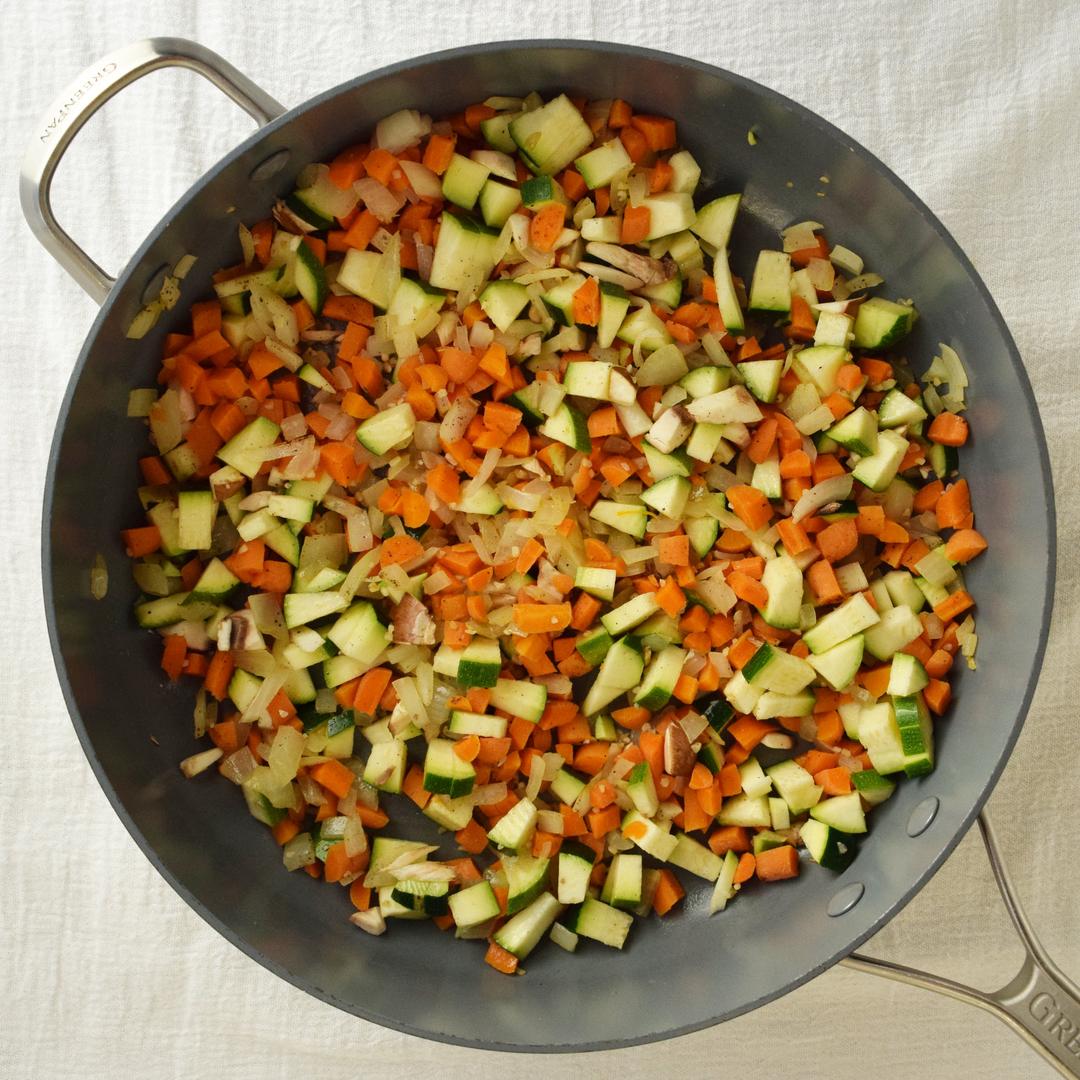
<point x="239" y="633"/>
<point x="225" y="485"/>
<point x="289" y="221"/>
<point x="678" y="753"/>
<point x="650" y="271"/>
<point x="671" y="430"/>
<point x="412" y="623"/>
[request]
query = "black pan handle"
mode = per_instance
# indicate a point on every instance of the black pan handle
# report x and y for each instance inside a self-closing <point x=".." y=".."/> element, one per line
<point x="1041" y="1004"/>
<point x="82" y="98"/>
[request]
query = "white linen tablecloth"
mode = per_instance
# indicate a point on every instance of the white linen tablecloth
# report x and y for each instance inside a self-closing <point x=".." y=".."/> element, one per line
<point x="106" y="972"/>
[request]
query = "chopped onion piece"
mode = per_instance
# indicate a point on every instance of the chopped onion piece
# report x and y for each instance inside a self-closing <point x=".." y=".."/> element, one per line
<point x="140" y="402"/>
<point x="777" y="740"/>
<point x="536" y="777"/>
<point x="247" y="244"/>
<point x="356" y="842"/>
<point x="286" y="449"/>
<point x="256" y="709"/>
<point x="99" y="578"/>
<point x="197" y="763"/>
<point x="183" y="266"/>
<point x="634" y="556"/>
<point x="550" y="821"/>
<point x="273" y="316"/>
<point x="293" y="427"/>
<point x="144" y="321"/>
<point x="370" y="921"/>
<point x="400" y="130"/>
<point x="380" y="200"/>
<point x="693" y="724"/>
<point x="800" y="237"/>
<point x="311" y="791"/>
<point x="489" y="794"/>
<point x="292" y="360"/>
<point x="822" y="274"/>
<point x="956" y="376"/>
<point x="238" y="766"/>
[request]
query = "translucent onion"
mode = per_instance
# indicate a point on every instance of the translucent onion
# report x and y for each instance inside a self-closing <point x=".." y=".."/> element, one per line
<point x="197" y="763"/>
<point x="340" y="428"/>
<point x="489" y="794"/>
<point x="355" y="838"/>
<point x="498" y="163"/>
<point x="801" y="236"/>
<point x="266" y="608"/>
<point x="292" y="360"/>
<point x="715" y="591"/>
<point x="425" y="254"/>
<point x="721" y="664"/>
<point x="370" y="921"/>
<point x="400" y="130"/>
<point x="99" y="578"/>
<point x="822" y="274"/>
<point x="286" y="449"/>
<point x="833" y="489"/>
<point x="380" y="200"/>
<point x="273" y="316"/>
<point x="843" y="289"/>
<point x="366" y="795"/>
<point x="436" y="582"/>
<point x="409" y="700"/>
<point x="293" y="427"/>
<point x="557" y="685"/>
<point x="536" y="777"/>
<point x="140" y="402"/>
<point x="266" y="693"/>
<point x="610" y="274"/>
<point x="693" y="724"/>
<point x="302" y="465"/>
<point x="298" y="852"/>
<point x="247" y="244"/>
<point x="481" y="335"/>
<point x="311" y="791"/>
<point x="550" y="821"/>
<point x="457" y="420"/>
<point x="694" y="664"/>
<point x="426" y="871"/>
<point x="637" y="188"/>
<point x="238" y="766"/>
<point x="424" y="182"/>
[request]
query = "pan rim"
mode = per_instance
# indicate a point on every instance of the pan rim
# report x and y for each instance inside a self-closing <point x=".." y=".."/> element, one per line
<point x="808" y="117"/>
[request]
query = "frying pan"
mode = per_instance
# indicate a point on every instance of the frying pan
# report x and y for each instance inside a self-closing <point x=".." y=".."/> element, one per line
<point x="667" y="982"/>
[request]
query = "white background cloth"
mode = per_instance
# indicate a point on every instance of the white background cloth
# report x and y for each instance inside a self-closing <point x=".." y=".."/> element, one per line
<point x="106" y="972"/>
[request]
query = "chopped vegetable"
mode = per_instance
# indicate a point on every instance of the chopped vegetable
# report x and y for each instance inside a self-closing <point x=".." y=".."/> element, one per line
<point x="475" y="454"/>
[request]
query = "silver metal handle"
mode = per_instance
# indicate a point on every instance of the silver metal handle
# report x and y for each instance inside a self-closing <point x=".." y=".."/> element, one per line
<point x="70" y="111"/>
<point x="1041" y="1004"/>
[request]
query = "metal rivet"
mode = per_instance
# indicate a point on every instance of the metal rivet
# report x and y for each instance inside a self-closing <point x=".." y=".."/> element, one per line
<point x="271" y="166"/>
<point x="845" y="899"/>
<point x="922" y="817"/>
<point x="152" y="288"/>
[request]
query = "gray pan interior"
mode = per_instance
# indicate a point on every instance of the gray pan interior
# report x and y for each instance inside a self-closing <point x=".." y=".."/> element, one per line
<point x="677" y="974"/>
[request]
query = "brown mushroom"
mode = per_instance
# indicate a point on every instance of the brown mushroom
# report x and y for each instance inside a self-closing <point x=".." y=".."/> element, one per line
<point x="678" y="753"/>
